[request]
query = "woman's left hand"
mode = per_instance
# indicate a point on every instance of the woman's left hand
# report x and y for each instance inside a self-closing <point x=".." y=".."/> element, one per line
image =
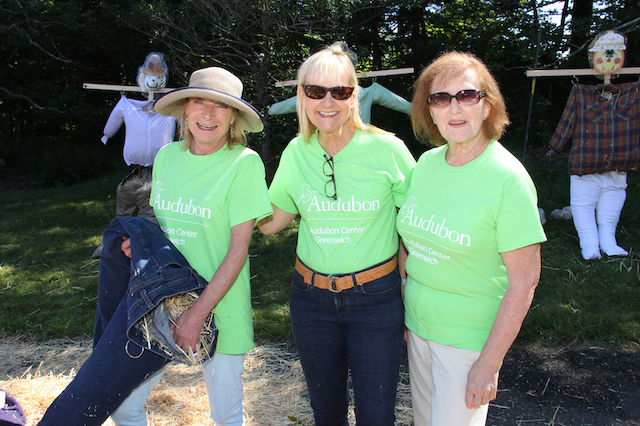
<point x="187" y="329"/>
<point x="523" y="271"/>
<point x="482" y="385"/>
<point x="189" y="325"/>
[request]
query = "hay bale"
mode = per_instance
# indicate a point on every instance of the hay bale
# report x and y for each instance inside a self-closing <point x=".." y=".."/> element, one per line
<point x="176" y="305"/>
<point x="275" y="392"/>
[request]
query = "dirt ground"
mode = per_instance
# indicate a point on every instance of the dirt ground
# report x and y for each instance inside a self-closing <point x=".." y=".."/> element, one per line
<point x="579" y="386"/>
<point x="574" y="386"/>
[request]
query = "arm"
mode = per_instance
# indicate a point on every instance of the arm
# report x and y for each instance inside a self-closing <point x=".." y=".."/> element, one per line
<point x="275" y="222"/>
<point x="402" y="261"/>
<point x="565" y="128"/>
<point x="114" y="122"/>
<point x="523" y="271"/>
<point x="288" y="106"/>
<point x="189" y="324"/>
<point x="387" y="98"/>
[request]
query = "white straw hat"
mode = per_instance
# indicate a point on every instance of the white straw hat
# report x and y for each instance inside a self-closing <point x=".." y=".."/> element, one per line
<point x="609" y="41"/>
<point x="217" y="84"/>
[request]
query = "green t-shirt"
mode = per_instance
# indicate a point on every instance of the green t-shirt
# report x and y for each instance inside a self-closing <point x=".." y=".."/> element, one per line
<point x="197" y="199"/>
<point x="358" y="229"/>
<point x="455" y="223"/>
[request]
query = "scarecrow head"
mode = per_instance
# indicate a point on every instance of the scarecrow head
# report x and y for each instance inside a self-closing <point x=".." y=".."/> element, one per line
<point x="152" y="76"/>
<point x="606" y="53"/>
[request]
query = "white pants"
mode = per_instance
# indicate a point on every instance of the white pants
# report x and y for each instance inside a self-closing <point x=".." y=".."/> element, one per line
<point x="438" y="376"/>
<point x="596" y="204"/>
<point x="223" y="378"/>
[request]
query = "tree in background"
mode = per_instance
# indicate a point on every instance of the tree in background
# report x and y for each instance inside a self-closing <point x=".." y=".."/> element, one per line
<point x="51" y="47"/>
<point x="48" y="124"/>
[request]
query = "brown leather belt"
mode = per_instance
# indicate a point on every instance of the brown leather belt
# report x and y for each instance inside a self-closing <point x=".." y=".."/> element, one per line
<point x="337" y="283"/>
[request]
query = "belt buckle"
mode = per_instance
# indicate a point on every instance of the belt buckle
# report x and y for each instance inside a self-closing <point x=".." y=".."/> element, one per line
<point x="331" y="284"/>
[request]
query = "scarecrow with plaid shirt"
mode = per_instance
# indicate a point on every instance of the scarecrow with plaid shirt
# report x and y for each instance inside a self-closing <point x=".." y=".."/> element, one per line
<point x="604" y="123"/>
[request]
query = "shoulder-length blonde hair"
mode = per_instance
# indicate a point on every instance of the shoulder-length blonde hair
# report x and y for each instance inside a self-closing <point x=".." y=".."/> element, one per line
<point x="239" y="136"/>
<point x="332" y="60"/>
<point x="450" y="66"/>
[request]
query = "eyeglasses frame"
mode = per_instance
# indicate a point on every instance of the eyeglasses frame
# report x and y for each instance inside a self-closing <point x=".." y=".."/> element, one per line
<point x="331" y="176"/>
<point x="481" y="94"/>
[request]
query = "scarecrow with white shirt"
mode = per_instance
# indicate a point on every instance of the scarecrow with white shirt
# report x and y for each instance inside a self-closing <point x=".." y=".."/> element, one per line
<point x="603" y="122"/>
<point x="146" y="132"/>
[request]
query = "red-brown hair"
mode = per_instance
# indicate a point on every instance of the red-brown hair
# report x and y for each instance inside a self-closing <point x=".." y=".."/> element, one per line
<point x="447" y="67"/>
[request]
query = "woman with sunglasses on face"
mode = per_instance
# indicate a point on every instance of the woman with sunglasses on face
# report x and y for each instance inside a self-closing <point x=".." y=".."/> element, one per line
<point x="473" y="233"/>
<point x="345" y="179"/>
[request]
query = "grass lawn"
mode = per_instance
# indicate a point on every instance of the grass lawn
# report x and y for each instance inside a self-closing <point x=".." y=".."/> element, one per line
<point x="48" y="282"/>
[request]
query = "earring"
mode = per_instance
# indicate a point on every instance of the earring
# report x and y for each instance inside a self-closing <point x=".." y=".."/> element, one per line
<point x="231" y="135"/>
<point x="186" y="125"/>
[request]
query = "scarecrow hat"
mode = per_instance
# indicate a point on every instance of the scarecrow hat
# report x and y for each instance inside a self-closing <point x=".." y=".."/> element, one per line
<point x="216" y="84"/>
<point x="609" y="41"/>
<point x="154" y="65"/>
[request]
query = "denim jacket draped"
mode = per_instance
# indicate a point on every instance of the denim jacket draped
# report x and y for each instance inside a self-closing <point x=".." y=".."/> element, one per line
<point x="157" y="271"/>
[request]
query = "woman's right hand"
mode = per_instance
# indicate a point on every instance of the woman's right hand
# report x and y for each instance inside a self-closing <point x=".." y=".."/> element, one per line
<point x="126" y="247"/>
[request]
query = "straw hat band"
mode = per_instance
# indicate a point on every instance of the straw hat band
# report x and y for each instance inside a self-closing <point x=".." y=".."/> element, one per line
<point x="217" y="79"/>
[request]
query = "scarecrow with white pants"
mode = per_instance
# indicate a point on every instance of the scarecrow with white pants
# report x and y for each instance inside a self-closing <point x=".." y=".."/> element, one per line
<point x="604" y="123"/>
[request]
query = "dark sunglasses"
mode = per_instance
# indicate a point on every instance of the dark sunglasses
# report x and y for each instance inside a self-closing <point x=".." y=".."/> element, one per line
<point x="339" y="93"/>
<point x="464" y="97"/>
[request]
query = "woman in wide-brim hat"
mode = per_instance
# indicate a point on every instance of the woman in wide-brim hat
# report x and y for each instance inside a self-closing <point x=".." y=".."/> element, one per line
<point x="208" y="191"/>
<point x="222" y="189"/>
<point x="222" y="87"/>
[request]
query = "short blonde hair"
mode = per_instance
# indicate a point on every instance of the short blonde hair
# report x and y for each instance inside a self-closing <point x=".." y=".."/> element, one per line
<point x="239" y="136"/>
<point x="450" y="66"/>
<point x="332" y="60"/>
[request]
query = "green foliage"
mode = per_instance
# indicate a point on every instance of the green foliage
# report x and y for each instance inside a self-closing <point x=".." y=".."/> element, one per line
<point x="68" y="163"/>
<point x="272" y="262"/>
<point x="50" y="125"/>
<point x="48" y="283"/>
<point x="588" y="301"/>
<point x="51" y="48"/>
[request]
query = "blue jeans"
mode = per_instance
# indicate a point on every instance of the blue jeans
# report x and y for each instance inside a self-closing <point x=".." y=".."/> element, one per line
<point x="106" y="378"/>
<point x="117" y="366"/>
<point x="358" y="329"/>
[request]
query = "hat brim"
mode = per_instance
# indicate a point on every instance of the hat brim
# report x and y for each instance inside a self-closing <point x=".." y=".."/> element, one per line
<point x="172" y="103"/>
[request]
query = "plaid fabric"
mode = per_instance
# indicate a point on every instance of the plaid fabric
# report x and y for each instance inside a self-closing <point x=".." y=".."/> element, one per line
<point x="604" y="123"/>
